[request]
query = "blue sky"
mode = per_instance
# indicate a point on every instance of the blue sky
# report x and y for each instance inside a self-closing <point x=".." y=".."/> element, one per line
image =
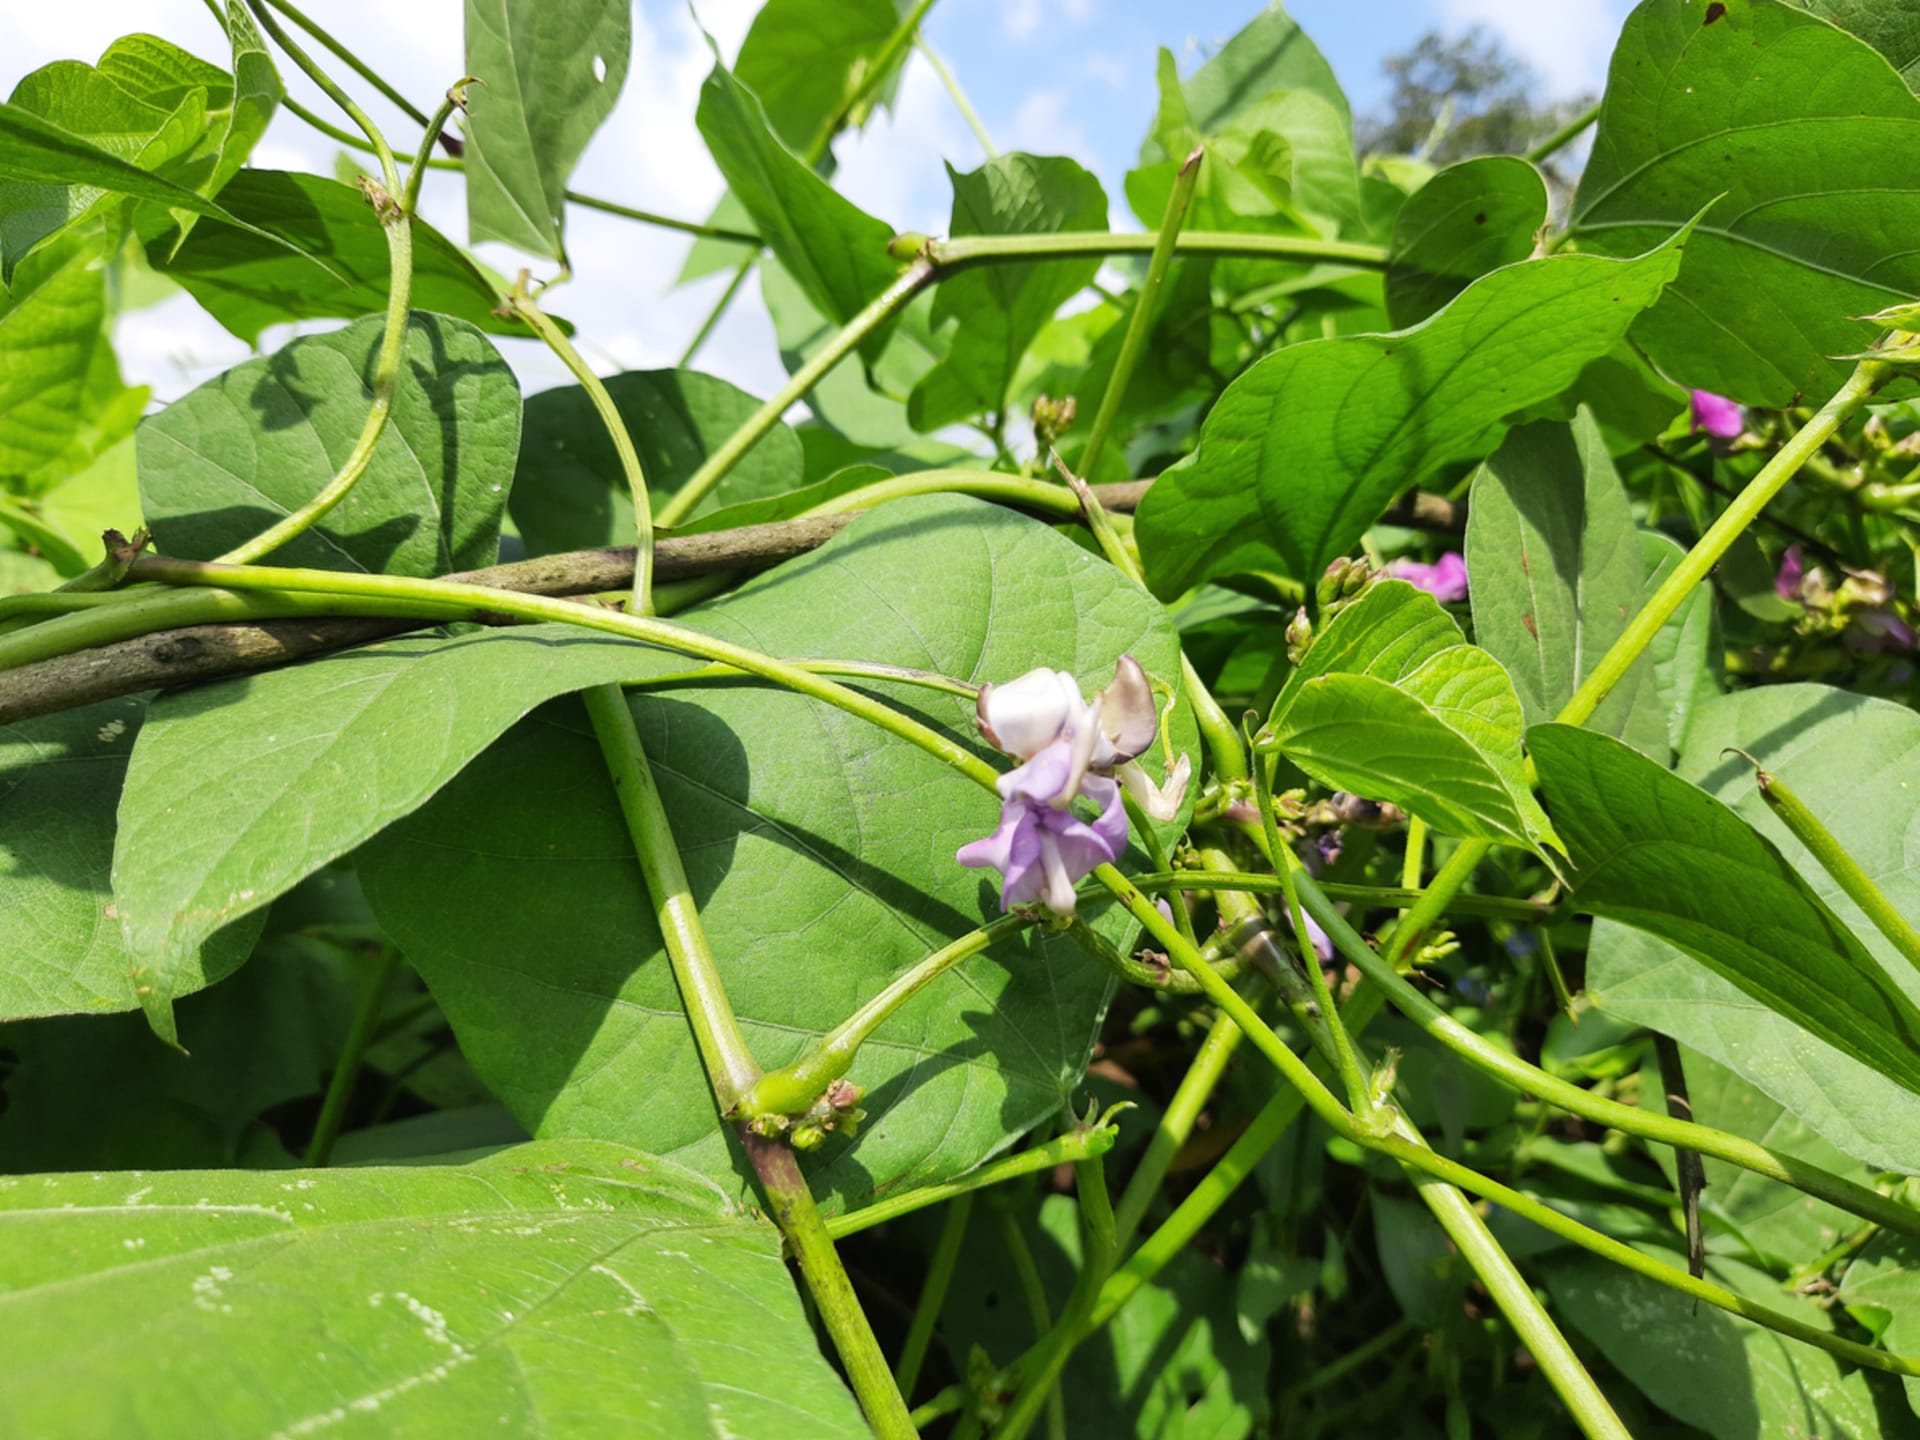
<point x="1072" y="77"/>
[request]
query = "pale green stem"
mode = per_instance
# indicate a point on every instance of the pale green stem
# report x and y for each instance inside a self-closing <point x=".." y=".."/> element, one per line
<point x="449" y="599"/>
<point x="1014" y="1241"/>
<point x="397" y="223"/>
<point x="1413" y="864"/>
<point x="366" y="1018"/>
<point x="846" y="669"/>
<point x="721" y="461"/>
<point x="1835" y="860"/>
<point x="1285" y="863"/>
<point x="729" y="1063"/>
<point x="456" y="99"/>
<point x="1564" y="136"/>
<point x="1321" y="1100"/>
<point x="793" y="1089"/>
<point x="1621" y="656"/>
<point x="1517" y="1302"/>
<point x="1098" y="1246"/>
<point x="389" y="168"/>
<point x="1490" y="907"/>
<point x="712" y="322"/>
<point x="933" y="1293"/>
<point x="1140" y="323"/>
<point x="522" y="305"/>
<point x="344" y="53"/>
<point x="1221" y="736"/>
<point x="986" y="484"/>
<point x="1074" y="1146"/>
<point x="964" y="250"/>
<point x="793" y="1210"/>
<point x="959" y="96"/>
<point x="1176" y="1124"/>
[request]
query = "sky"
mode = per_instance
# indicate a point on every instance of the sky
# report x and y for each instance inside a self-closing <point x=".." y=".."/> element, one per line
<point x="1059" y="77"/>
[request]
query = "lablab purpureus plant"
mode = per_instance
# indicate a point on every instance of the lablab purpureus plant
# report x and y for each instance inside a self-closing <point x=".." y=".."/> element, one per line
<point x="1069" y="747"/>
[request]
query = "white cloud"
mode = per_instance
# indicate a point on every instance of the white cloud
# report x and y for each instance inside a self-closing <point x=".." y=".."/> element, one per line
<point x="1567" y="42"/>
<point x="1041" y="126"/>
<point x="1104" y="65"/>
<point x="1020" y="18"/>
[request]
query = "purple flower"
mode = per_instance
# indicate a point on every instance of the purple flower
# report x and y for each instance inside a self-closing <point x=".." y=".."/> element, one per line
<point x="1445" y="579"/>
<point x="1041" y="848"/>
<point x="1717" y="416"/>
<point x="1321" y="942"/>
<point x="1791" y="575"/>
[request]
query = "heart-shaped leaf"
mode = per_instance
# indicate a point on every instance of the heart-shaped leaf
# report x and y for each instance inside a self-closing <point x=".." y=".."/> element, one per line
<point x="1391" y="703"/>
<point x="250" y="446"/>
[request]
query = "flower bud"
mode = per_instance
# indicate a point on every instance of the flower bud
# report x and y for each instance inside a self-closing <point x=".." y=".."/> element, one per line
<point x="808" y="1137"/>
<point x="1051" y="418"/>
<point x="1299" y="635"/>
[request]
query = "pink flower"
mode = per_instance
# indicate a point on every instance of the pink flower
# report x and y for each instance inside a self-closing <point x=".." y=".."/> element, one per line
<point x="1717" y="416"/>
<point x="1445" y="579"/>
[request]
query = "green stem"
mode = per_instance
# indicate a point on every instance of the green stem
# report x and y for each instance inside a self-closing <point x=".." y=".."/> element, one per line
<point x="366" y="1018"/>
<point x="1838" y="863"/>
<point x="846" y="669"/>
<point x="1041" y="495"/>
<point x="1441" y="894"/>
<point x="1413" y="864"/>
<point x="1336" y="1370"/>
<point x="1014" y="1241"/>
<point x="1285" y="862"/>
<point x="1221" y="736"/>
<point x="933" y="1293"/>
<point x="1518" y="1303"/>
<point x="721" y="461"/>
<point x="959" y="96"/>
<point x="1868" y="376"/>
<point x="1564" y="136"/>
<point x="793" y="1089"/>
<point x="1073" y="1146"/>
<point x="1530" y="1079"/>
<point x="1489" y="907"/>
<point x="729" y="1063"/>
<point x="1416" y="1156"/>
<point x="1176" y="1124"/>
<point x="344" y="53"/>
<point x="449" y="599"/>
<point x="961" y="251"/>
<point x="1556" y="977"/>
<point x="793" y="1211"/>
<point x="665" y="222"/>
<point x="871" y="79"/>
<point x="1140" y="323"/>
<point x="456" y="99"/>
<point x="708" y="325"/>
<point x="1098" y="1245"/>
<point x="522" y="305"/>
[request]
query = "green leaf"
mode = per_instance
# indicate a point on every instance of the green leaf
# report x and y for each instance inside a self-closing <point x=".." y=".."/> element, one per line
<point x="1855" y="762"/>
<point x="1893" y="30"/>
<point x="836" y="251"/>
<point x="552" y="71"/>
<point x="62" y="401"/>
<point x="1001" y="308"/>
<point x="238" y="790"/>
<point x="1280" y="162"/>
<point x="228" y="459"/>
<point x="569" y="491"/>
<point x="102" y="1092"/>
<point x="37" y="151"/>
<point x="820" y="849"/>
<point x="1803" y="132"/>
<point x="1881" y="1289"/>
<point x="1686" y="650"/>
<point x="1653" y="851"/>
<point x="556" y="1290"/>
<point x="804" y="60"/>
<point x="1734" y="1380"/>
<point x="1391" y="703"/>
<point x="1557" y="571"/>
<point x="1470" y="219"/>
<point x="1781" y="1227"/>
<point x="251" y="278"/>
<point x="1306" y="449"/>
<point x="1271" y="53"/>
<point x="61" y="950"/>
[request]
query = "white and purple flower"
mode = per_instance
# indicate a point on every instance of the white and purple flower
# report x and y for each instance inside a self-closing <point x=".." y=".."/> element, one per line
<point x="1069" y="747"/>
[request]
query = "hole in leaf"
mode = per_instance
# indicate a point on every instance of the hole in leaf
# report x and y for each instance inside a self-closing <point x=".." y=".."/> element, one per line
<point x="600" y="69"/>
